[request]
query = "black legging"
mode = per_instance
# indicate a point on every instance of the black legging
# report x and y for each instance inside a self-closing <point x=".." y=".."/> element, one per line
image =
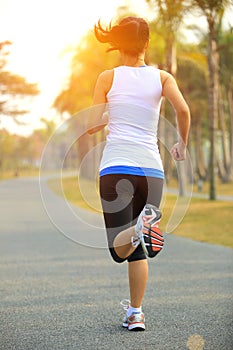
<point x="123" y="197"/>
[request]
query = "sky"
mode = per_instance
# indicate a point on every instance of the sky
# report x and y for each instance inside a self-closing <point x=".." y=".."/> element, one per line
<point x="42" y="35"/>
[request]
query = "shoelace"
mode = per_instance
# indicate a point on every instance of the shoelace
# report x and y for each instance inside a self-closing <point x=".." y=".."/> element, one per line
<point x="150" y="215"/>
<point x="125" y="303"/>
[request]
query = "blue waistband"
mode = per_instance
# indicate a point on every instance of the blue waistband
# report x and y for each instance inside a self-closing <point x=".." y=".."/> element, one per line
<point x="132" y="170"/>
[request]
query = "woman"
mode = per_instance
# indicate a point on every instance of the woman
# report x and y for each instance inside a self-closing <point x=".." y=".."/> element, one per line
<point x="131" y="171"/>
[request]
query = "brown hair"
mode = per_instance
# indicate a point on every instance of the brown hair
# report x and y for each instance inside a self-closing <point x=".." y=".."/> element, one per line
<point x="130" y="35"/>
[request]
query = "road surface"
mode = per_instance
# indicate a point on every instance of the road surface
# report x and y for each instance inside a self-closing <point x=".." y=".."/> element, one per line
<point x="57" y="294"/>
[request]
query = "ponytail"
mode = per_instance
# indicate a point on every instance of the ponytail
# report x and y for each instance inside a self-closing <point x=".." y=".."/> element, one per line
<point x="130" y="35"/>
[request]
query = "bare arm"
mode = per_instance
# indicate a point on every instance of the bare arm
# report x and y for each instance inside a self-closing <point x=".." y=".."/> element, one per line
<point x="97" y="119"/>
<point x="173" y="94"/>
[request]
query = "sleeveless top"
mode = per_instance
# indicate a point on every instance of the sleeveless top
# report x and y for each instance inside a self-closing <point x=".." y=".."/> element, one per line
<point x="134" y="101"/>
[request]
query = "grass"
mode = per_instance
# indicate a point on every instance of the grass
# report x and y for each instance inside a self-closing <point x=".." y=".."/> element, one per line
<point x="83" y="194"/>
<point x="205" y="221"/>
<point x="11" y="174"/>
<point x="221" y="188"/>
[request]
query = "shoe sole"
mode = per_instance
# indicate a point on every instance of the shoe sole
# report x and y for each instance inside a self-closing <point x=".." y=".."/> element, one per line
<point x="134" y="328"/>
<point x="147" y="246"/>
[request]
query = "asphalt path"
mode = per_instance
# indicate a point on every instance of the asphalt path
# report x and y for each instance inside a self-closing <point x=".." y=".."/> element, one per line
<point x="58" y="294"/>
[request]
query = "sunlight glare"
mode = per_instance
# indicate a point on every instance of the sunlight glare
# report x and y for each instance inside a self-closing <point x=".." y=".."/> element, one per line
<point x="43" y="37"/>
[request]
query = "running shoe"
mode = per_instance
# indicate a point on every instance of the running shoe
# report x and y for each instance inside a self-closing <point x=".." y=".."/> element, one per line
<point x="134" y="322"/>
<point x="151" y="237"/>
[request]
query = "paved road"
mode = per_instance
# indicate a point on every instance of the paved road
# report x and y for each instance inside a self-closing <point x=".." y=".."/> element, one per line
<point x="57" y="294"/>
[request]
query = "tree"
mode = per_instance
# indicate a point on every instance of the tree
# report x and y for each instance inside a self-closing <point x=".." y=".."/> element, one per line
<point x="89" y="60"/>
<point x="195" y="89"/>
<point x="213" y="11"/>
<point x="12" y="87"/>
<point x="168" y="20"/>
<point x="226" y="103"/>
<point x="6" y="150"/>
<point x="169" y="15"/>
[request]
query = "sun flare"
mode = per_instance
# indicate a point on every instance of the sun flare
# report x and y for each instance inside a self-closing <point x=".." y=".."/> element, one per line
<point x="43" y="35"/>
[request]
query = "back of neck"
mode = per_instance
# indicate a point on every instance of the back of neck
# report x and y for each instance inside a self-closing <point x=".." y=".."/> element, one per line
<point x="133" y="61"/>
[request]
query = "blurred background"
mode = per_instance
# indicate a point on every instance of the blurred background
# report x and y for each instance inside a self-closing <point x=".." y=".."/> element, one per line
<point x="50" y="59"/>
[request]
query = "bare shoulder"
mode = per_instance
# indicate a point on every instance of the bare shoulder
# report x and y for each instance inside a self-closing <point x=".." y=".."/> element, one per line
<point x="105" y="79"/>
<point x="106" y="73"/>
<point x="106" y="76"/>
<point x="166" y="76"/>
<point x="168" y="83"/>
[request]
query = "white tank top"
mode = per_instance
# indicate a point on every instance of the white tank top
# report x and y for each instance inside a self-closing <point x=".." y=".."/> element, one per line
<point x="134" y="102"/>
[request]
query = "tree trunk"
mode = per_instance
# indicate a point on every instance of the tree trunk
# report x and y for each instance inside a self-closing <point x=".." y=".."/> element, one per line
<point x="168" y="138"/>
<point x="213" y="60"/>
<point x="230" y="104"/>
<point x="83" y="147"/>
<point x="201" y="167"/>
<point x="171" y="62"/>
<point x="171" y="59"/>
<point x="225" y="162"/>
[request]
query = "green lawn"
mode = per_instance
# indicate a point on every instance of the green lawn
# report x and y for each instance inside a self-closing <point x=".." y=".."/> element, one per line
<point x="205" y="221"/>
<point x="221" y="188"/>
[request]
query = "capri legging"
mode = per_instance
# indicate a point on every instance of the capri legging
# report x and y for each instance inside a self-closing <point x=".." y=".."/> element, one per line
<point x="123" y="197"/>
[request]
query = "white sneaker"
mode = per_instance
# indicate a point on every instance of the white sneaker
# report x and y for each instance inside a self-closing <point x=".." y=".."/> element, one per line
<point x="147" y="231"/>
<point x="134" y="322"/>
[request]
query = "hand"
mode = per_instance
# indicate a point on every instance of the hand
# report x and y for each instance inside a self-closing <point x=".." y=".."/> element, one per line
<point x="178" y="151"/>
<point x="100" y="124"/>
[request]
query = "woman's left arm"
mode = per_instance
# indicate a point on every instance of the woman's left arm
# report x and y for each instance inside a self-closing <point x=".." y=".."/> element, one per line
<point x="173" y="94"/>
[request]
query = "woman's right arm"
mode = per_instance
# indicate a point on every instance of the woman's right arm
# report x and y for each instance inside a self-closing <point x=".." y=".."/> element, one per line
<point x="171" y="91"/>
<point x="97" y="119"/>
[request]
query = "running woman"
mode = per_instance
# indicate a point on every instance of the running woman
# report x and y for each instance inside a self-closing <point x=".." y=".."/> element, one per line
<point x="131" y="170"/>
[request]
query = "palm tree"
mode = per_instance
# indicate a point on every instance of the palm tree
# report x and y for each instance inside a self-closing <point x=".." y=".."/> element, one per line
<point x="213" y="12"/>
<point x="225" y="166"/>
<point x="168" y="20"/>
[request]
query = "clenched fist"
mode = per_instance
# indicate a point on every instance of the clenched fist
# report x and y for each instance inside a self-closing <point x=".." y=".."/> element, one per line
<point x="178" y="151"/>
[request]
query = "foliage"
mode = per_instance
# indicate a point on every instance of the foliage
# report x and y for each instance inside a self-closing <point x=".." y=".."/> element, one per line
<point x="12" y="87"/>
<point x="18" y="153"/>
<point x="169" y="14"/>
<point x="213" y="12"/>
<point x="211" y="8"/>
<point x="89" y="60"/>
<point x="194" y="90"/>
<point x="226" y="54"/>
<point x="15" y="152"/>
<point x="156" y="51"/>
